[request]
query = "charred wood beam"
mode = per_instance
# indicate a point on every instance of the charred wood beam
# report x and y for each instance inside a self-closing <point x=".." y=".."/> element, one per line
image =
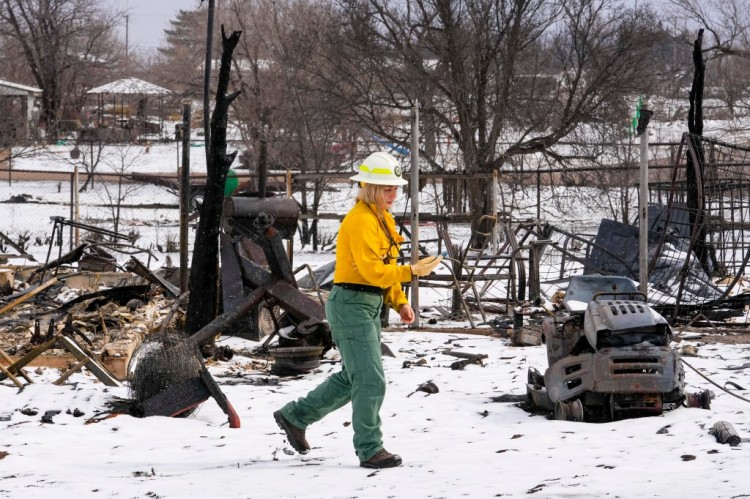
<point x="27" y="295"/>
<point x="135" y="266"/>
<point x="203" y="306"/>
<point x="121" y="295"/>
<point x="696" y="202"/>
<point x="466" y="355"/>
<point x="70" y="257"/>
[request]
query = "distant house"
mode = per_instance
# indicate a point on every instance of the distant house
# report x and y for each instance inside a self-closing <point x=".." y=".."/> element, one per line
<point x="19" y="113"/>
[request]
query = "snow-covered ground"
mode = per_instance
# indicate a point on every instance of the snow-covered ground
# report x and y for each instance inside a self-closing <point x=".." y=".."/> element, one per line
<point x="455" y="443"/>
<point x="458" y="442"/>
<point x="151" y="213"/>
<point x="148" y="211"/>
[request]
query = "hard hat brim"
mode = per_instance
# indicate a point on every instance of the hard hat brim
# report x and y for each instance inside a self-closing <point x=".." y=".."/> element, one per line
<point x="369" y="180"/>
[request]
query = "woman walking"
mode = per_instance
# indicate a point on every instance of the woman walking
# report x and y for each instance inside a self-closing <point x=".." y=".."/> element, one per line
<point x="366" y="276"/>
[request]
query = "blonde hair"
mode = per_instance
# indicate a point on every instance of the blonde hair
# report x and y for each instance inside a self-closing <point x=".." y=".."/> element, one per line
<point x="371" y="193"/>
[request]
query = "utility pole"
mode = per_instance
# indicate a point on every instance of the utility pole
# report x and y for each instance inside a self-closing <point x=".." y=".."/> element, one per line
<point x="127" y="35"/>
<point x="415" y="211"/>
<point x="640" y="125"/>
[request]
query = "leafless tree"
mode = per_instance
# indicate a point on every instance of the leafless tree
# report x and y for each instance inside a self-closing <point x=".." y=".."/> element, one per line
<point x="59" y="40"/>
<point x="493" y="78"/>
<point x="89" y="154"/>
<point x="285" y="123"/>
<point x="727" y="22"/>
<point x="726" y="46"/>
<point x="119" y="161"/>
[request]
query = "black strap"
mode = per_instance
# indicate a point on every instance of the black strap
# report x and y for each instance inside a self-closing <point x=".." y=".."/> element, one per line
<point x="360" y="287"/>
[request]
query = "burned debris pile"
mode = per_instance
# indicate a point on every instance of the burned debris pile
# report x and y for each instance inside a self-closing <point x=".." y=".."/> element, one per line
<point x="104" y="314"/>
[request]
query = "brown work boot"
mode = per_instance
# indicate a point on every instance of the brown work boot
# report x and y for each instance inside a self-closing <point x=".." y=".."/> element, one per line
<point x="382" y="459"/>
<point x="296" y="436"/>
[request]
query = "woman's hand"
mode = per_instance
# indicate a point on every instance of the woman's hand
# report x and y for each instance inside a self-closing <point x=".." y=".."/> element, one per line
<point x="426" y="265"/>
<point x="406" y="313"/>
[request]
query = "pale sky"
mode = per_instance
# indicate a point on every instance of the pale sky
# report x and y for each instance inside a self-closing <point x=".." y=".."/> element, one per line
<point x="149" y="18"/>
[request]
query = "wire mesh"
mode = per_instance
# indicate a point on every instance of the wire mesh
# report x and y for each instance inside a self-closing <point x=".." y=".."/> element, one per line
<point x="162" y="361"/>
<point x="704" y="230"/>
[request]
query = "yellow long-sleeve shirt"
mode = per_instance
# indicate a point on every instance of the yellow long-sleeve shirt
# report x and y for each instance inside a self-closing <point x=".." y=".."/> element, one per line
<point x="361" y="248"/>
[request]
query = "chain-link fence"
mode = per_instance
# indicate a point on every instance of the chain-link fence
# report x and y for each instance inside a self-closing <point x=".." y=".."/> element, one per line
<point x="112" y="209"/>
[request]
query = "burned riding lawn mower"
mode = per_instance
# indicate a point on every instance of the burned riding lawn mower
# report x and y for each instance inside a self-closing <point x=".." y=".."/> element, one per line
<point x="609" y="357"/>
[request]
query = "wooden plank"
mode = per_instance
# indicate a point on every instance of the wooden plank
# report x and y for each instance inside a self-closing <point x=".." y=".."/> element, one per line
<point x="114" y="357"/>
<point x="9" y="375"/>
<point x="7" y="359"/>
<point x="20" y="363"/>
<point x="67" y="374"/>
<point x="28" y="295"/>
<point x="92" y="365"/>
<point x="118" y="366"/>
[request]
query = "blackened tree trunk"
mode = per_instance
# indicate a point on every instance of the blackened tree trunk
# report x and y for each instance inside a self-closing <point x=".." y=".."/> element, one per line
<point x="203" y="304"/>
<point x="695" y="114"/>
<point x="695" y="163"/>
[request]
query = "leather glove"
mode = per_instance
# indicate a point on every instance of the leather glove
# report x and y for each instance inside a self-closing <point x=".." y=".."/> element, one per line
<point x="426" y="265"/>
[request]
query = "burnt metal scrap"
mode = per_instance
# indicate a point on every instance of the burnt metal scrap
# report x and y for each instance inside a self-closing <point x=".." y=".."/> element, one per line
<point x="672" y="272"/>
<point x="137" y="267"/>
<point x="699" y="237"/>
<point x="679" y="287"/>
<point x="120" y="295"/>
<point x="609" y="356"/>
<point x="164" y="377"/>
<point x="169" y="377"/>
<point x="89" y="255"/>
<point x="705" y="207"/>
<point x="298" y="319"/>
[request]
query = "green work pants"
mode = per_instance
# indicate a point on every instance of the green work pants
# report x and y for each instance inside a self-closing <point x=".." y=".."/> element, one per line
<point x="354" y="317"/>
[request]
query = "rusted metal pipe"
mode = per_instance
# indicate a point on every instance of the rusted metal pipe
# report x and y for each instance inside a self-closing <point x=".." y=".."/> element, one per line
<point x="245" y="210"/>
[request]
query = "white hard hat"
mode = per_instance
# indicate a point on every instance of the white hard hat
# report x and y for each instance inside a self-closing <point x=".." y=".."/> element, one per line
<point x="380" y="168"/>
